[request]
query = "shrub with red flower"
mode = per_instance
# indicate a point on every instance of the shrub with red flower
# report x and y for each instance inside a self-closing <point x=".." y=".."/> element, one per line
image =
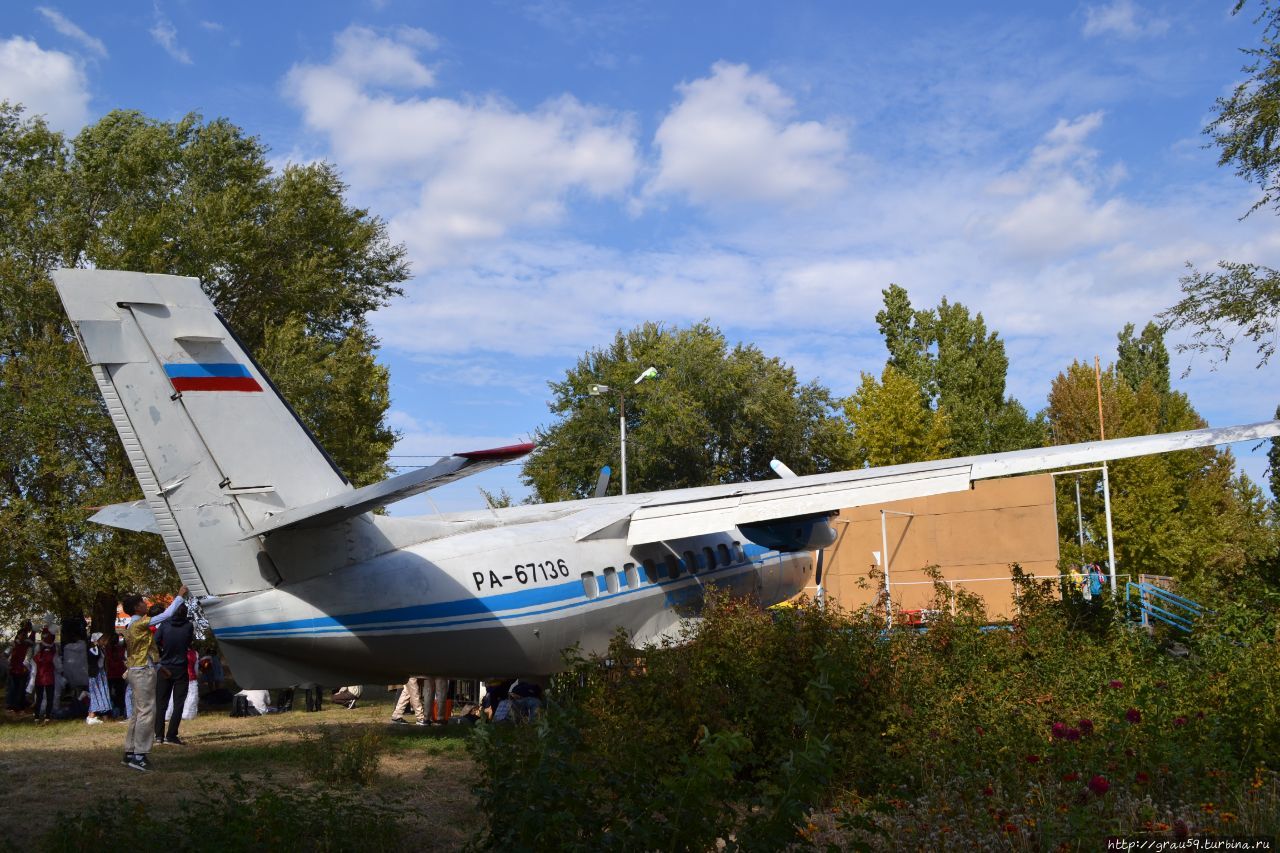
<point x="1033" y="759"/>
<point x="1116" y="684"/>
<point x="1073" y="733"/>
<point x="1073" y="776"/>
<point x="1099" y="784"/>
<point x="1141" y="777"/>
<point x="1179" y="722"/>
<point x="1086" y="726"/>
<point x="1133" y="715"/>
<point x="1059" y="730"/>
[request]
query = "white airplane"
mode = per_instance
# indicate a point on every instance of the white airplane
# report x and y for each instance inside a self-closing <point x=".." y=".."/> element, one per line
<point x="302" y="582"/>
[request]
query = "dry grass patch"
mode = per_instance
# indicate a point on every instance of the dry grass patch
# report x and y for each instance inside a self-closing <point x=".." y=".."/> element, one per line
<point x="423" y="776"/>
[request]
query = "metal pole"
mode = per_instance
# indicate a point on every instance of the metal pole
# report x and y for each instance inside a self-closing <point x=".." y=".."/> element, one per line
<point x="1079" y="519"/>
<point x="1111" y="544"/>
<point x="622" y="430"/>
<point x="884" y="558"/>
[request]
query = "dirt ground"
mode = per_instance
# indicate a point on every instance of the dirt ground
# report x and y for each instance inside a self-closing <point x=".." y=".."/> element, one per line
<point x="63" y="766"/>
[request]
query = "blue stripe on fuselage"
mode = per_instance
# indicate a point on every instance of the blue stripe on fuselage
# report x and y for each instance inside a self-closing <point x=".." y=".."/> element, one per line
<point x="485" y="607"/>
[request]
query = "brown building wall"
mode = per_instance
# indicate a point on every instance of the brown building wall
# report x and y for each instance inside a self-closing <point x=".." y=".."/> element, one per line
<point x="970" y="536"/>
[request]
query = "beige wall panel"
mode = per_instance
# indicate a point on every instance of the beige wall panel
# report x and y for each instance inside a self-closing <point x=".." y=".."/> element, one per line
<point x="969" y="535"/>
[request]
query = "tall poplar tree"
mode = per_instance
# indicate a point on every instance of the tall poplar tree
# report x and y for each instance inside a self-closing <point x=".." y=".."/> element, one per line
<point x="292" y="267"/>
<point x="958" y="367"/>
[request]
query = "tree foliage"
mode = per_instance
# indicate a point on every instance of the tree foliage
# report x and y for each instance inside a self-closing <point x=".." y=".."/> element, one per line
<point x="291" y="266"/>
<point x="958" y="367"/>
<point x="715" y="414"/>
<point x="890" y="427"/>
<point x="1241" y="299"/>
<point x="1184" y="514"/>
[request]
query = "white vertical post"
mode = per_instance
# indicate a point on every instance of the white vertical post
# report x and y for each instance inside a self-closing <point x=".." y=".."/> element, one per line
<point x="884" y="557"/>
<point x="622" y="430"/>
<point x="1111" y="544"/>
<point x="1079" y="518"/>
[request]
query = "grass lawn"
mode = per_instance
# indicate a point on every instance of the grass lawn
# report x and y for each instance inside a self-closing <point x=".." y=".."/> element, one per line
<point x="425" y="774"/>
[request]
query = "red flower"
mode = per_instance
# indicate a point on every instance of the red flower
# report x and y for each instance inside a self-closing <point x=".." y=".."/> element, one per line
<point x="1070" y="777"/>
<point x="1033" y="759"/>
<point x="1008" y="827"/>
<point x="1059" y="730"/>
<point x="1179" y="722"/>
<point x="988" y="791"/>
<point x="1073" y="734"/>
<point x="1086" y="726"/>
<point x="1116" y="684"/>
<point x="1099" y="784"/>
<point x="1141" y="777"/>
<point x="980" y="730"/>
<point x="1133" y="715"/>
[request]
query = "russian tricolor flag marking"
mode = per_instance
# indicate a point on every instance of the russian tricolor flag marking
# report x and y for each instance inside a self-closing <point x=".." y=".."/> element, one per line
<point x="211" y="377"/>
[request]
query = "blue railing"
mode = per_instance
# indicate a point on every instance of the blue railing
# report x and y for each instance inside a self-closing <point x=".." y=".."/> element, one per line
<point x="1152" y="603"/>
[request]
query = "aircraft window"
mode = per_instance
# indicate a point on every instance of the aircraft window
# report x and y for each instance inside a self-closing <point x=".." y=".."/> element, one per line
<point x="722" y="551"/>
<point x="691" y="562"/>
<point x="673" y="566"/>
<point x="589" y="587"/>
<point x="633" y="576"/>
<point x="737" y="550"/>
<point x="711" y="557"/>
<point x="611" y="579"/>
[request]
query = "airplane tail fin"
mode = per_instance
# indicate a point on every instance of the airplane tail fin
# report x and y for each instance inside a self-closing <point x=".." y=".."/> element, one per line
<point x="214" y="446"/>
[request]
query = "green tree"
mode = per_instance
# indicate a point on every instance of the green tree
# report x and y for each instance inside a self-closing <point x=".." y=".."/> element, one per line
<point x="960" y="367"/>
<point x="292" y="267"/>
<point x="1182" y="514"/>
<point x="1144" y="358"/>
<point x="1241" y="299"/>
<point x="715" y="414"/>
<point x="890" y="426"/>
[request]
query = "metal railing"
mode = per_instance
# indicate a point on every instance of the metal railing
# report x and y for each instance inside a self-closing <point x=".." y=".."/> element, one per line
<point x="1145" y="602"/>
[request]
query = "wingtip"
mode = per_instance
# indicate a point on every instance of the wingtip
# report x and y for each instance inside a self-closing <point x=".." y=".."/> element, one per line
<point x="511" y="451"/>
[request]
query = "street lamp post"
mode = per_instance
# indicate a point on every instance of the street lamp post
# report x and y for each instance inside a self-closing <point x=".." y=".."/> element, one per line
<point x="597" y="390"/>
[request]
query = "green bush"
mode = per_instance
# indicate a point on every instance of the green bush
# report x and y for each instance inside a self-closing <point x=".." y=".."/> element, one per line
<point x="340" y="758"/>
<point x="814" y="728"/>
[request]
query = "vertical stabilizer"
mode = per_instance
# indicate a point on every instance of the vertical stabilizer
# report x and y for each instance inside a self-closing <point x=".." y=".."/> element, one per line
<point x="216" y="450"/>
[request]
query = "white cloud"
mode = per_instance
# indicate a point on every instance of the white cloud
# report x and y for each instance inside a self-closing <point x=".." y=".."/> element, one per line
<point x="476" y="168"/>
<point x="68" y="28"/>
<point x="732" y="138"/>
<point x="165" y="34"/>
<point x="1122" y="19"/>
<point x="46" y="82"/>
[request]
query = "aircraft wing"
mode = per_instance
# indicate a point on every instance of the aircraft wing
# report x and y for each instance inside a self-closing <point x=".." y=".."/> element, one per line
<point x="660" y="516"/>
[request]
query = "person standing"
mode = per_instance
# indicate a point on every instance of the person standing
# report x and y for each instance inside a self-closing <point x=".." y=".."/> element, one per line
<point x="410" y="695"/>
<point x="441" y="704"/>
<point x="16" y="693"/>
<point x="140" y="657"/>
<point x="99" y="692"/>
<point x="115" y="673"/>
<point x="44" y="657"/>
<point x="174" y="638"/>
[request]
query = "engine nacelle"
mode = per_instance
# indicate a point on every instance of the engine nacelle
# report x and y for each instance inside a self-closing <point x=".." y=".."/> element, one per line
<point x="801" y="533"/>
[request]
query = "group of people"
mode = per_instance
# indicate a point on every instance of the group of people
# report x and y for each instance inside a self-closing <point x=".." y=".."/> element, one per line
<point x="146" y="674"/>
<point x="1088" y="580"/>
<point x="90" y="669"/>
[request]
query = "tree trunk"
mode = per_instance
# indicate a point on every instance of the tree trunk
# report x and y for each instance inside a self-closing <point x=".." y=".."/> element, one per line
<point x="104" y="612"/>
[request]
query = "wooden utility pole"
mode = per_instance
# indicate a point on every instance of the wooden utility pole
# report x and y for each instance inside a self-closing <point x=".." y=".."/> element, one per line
<point x="1097" y="383"/>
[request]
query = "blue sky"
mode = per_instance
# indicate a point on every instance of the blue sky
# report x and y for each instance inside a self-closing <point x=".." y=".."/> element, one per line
<point x="560" y="170"/>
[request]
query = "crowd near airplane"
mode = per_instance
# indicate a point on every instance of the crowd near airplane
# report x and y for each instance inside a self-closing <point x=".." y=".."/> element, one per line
<point x="302" y="582"/>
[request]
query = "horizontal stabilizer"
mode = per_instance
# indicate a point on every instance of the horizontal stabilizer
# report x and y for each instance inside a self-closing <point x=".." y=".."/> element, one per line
<point x="136" y="516"/>
<point x="343" y="506"/>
